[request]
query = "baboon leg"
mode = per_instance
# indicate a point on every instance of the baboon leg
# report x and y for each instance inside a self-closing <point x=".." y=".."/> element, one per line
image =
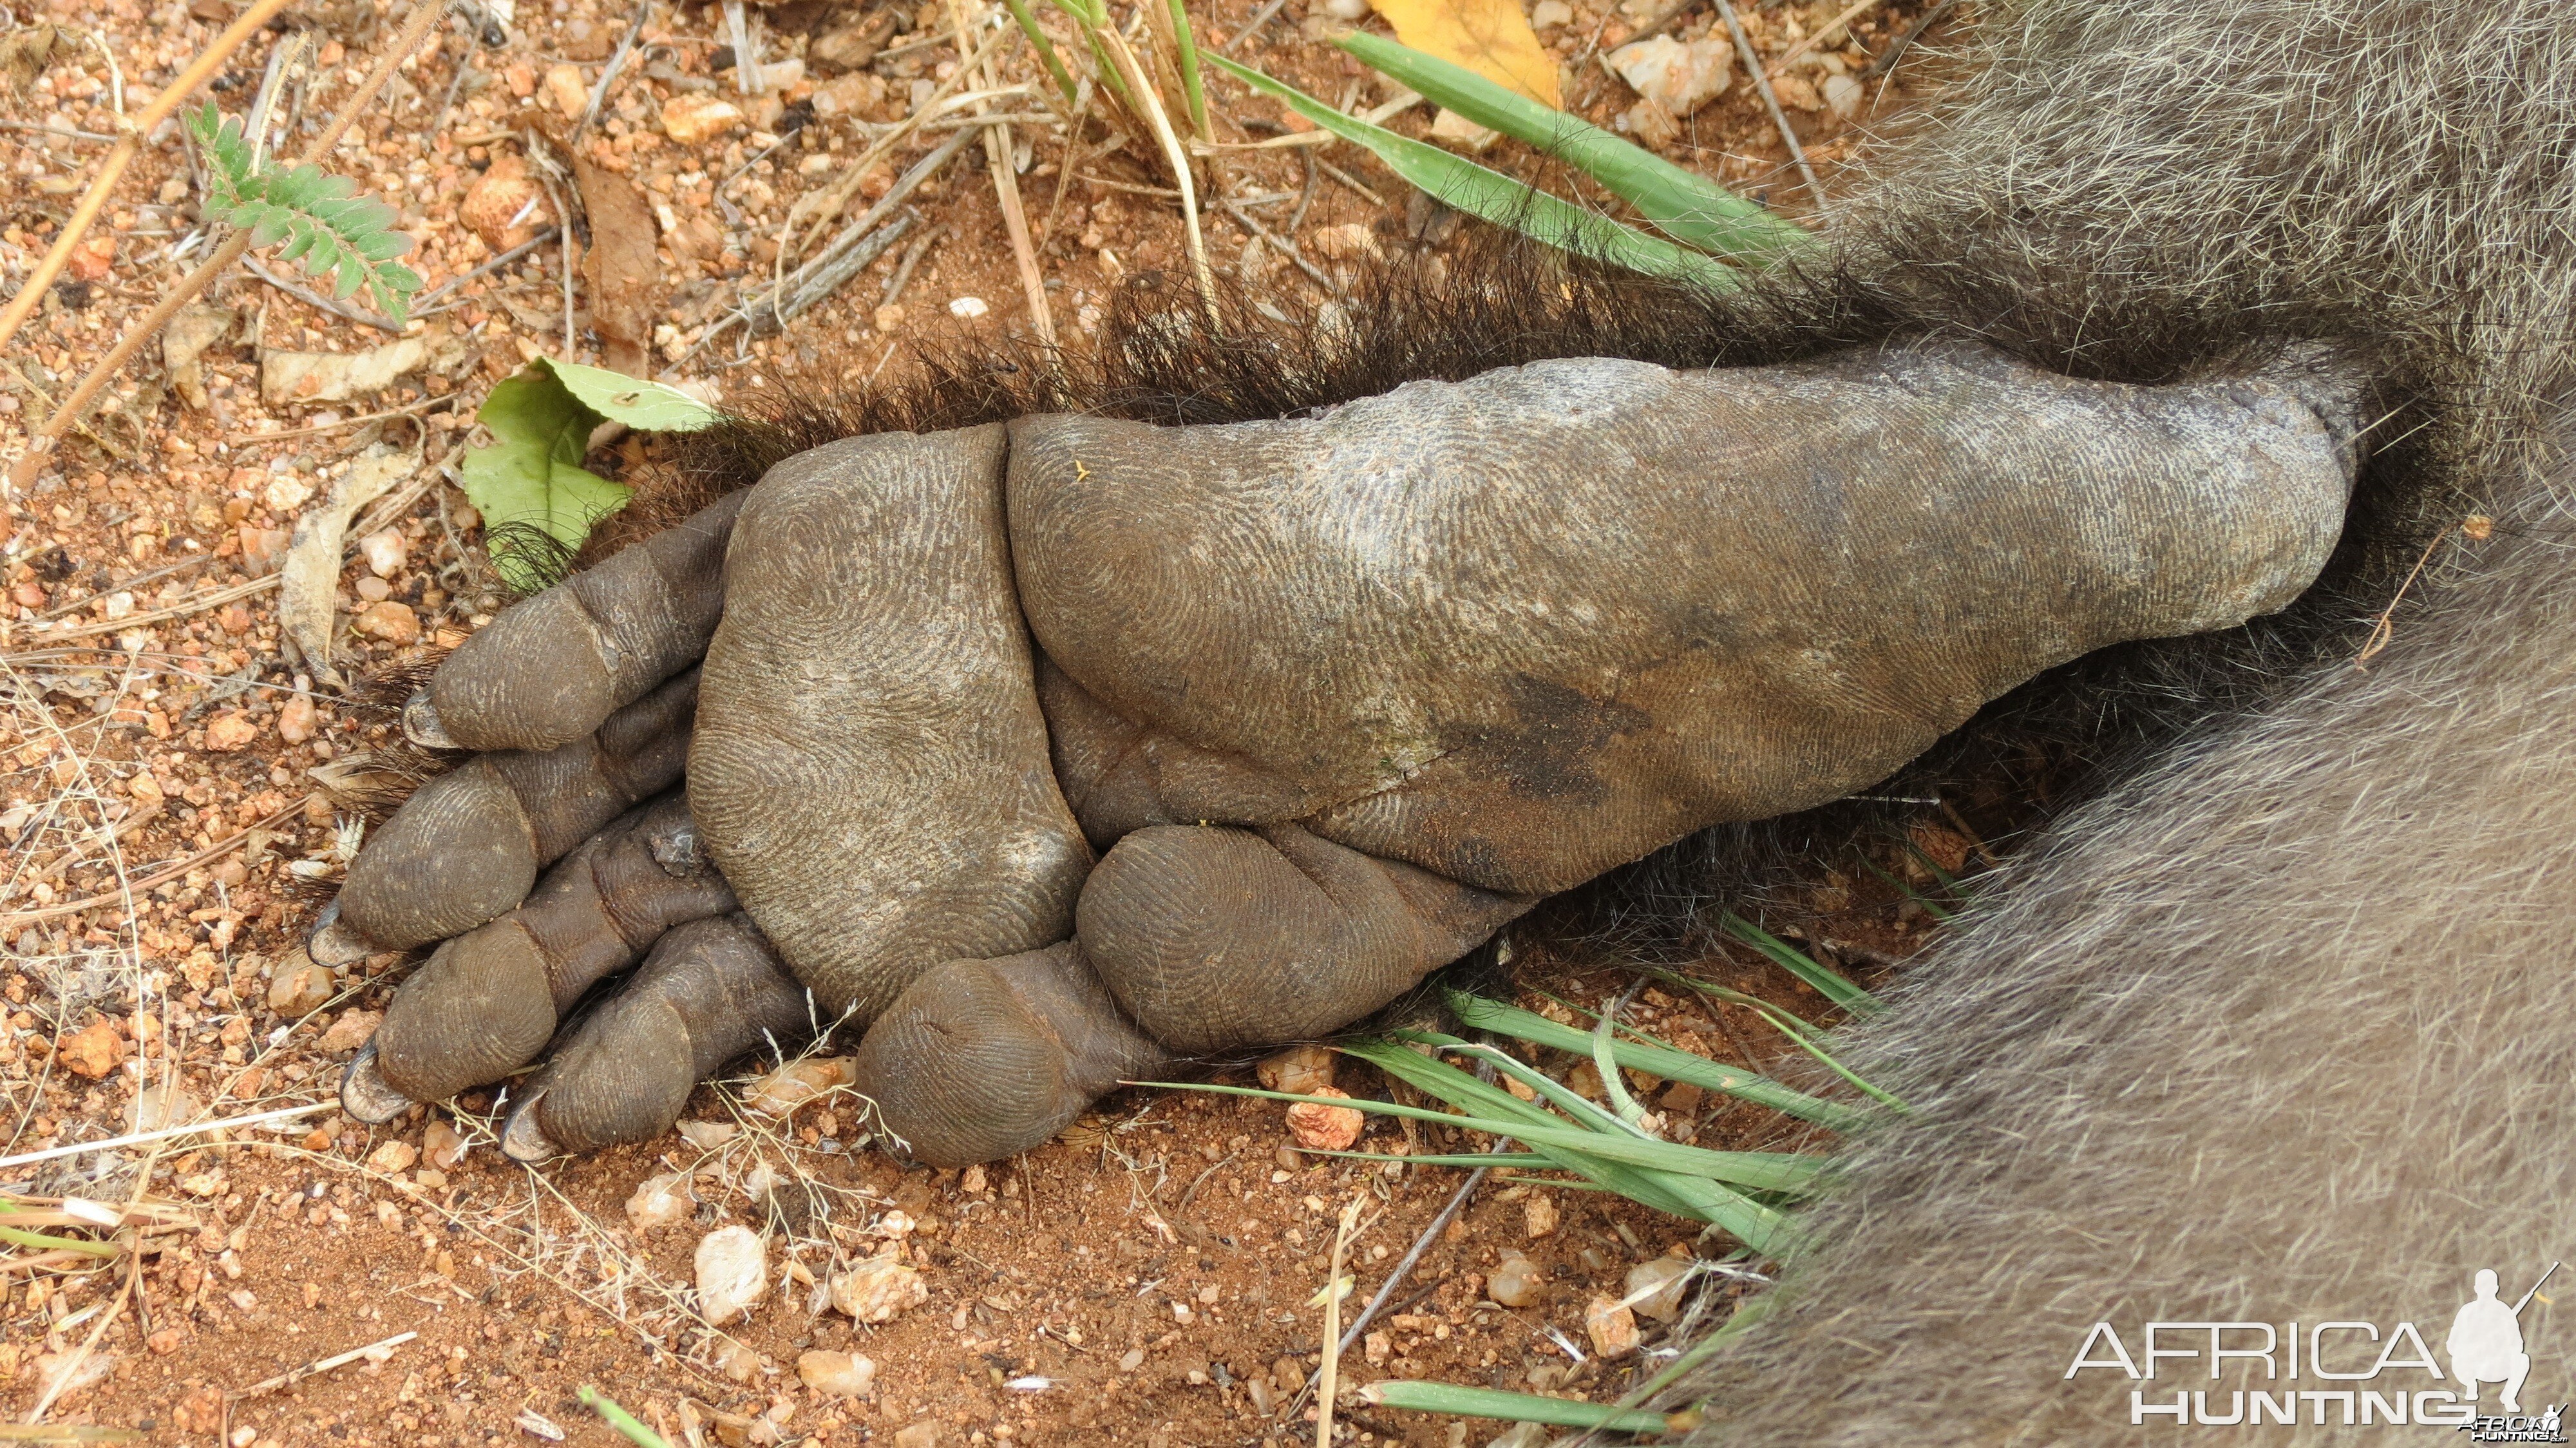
<point x="2313" y="1058"/>
<point x="552" y="667"/>
<point x="1214" y="937"/>
<point x="981" y="1058"/>
<point x="488" y="1001"/>
<point x="469" y="844"/>
<point x="711" y="990"/>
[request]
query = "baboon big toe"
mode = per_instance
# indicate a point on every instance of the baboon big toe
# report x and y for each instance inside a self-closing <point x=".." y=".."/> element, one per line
<point x="1049" y="750"/>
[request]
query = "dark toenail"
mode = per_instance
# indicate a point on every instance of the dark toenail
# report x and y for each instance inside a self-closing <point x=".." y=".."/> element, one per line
<point x="333" y="942"/>
<point x="522" y="1139"/>
<point x="420" y="723"/>
<point x="365" y="1094"/>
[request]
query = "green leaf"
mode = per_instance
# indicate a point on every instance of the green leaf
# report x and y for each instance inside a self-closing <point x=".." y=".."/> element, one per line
<point x="641" y="405"/>
<point x="340" y="237"/>
<point x="531" y="476"/>
<point x="1686" y="207"/>
<point x="1492" y="196"/>
<point x="1516" y="1407"/>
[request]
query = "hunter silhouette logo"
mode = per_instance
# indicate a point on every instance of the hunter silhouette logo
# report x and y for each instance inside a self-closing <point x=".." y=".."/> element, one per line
<point x="2345" y="1373"/>
<point x="2486" y="1342"/>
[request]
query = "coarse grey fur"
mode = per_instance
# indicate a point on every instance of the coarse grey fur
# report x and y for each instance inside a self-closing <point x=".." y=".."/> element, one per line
<point x="2282" y="1028"/>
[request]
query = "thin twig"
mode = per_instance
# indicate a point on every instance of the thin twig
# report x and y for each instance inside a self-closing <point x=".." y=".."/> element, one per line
<point x="1006" y="190"/>
<point x="2384" y="628"/>
<point x="1896" y="49"/>
<point x="158" y="877"/>
<point x="1394" y="1279"/>
<point x="1327" y="1378"/>
<point x="311" y="298"/>
<point x="112" y="166"/>
<point x="616" y="63"/>
<point x="1259" y="19"/>
<point x="144" y="1138"/>
<point x="323" y="1365"/>
<point x="1346" y="179"/>
<point x="1850" y="13"/>
<point x="199" y="604"/>
<point x="422" y="307"/>
<point x="911" y="258"/>
<point x="242" y="439"/>
<point x="1762" y="83"/>
<point x="1286" y="248"/>
<point x="54" y="131"/>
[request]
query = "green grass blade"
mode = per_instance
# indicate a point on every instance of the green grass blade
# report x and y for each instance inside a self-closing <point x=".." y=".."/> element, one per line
<point x="1461" y="1158"/>
<point x="1490" y="195"/>
<point x="1828" y="982"/>
<point x="1044" y="47"/>
<point x="1957" y="887"/>
<point x="1800" y="1034"/>
<point x="618" y="1418"/>
<point x="1910" y="893"/>
<point x="46" y="1243"/>
<point x="1642" y="1171"/>
<point x="1689" y="208"/>
<point x="1655" y="1059"/>
<point x="1461" y="1402"/>
<point x="1187" y="47"/>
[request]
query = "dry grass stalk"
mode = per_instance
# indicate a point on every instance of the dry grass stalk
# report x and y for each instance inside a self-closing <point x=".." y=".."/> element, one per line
<point x="1006" y="190"/>
<point x="1327" y="1383"/>
<point x="1142" y="86"/>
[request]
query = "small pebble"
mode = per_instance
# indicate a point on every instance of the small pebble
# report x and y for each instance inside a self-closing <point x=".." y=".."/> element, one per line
<point x="441" y="1145"/>
<point x="924" y="1434"/>
<point x="1298" y="1070"/>
<point x="94" y="1050"/>
<point x="733" y="1277"/>
<point x="230" y="732"/>
<point x="738" y="1361"/>
<point x="300" y="987"/>
<point x="384" y="551"/>
<point x="968" y="308"/>
<point x="1317" y="1127"/>
<point x="296" y="721"/>
<point x="1613" y="1328"/>
<point x="1661" y="1280"/>
<point x="1539" y="1214"/>
<point x="393" y="1156"/>
<point x="707" y="1135"/>
<point x="836" y="1374"/>
<point x="564" y="87"/>
<point x="690" y="118"/>
<point x="1514" y="1282"/>
<point x="1680" y="78"/>
<point x="659" y="1201"/>
<point x="781" y="1091"/>
<point x="351" y="1031"/>
<point x="392" y="622"/>
<point x="878" y="1289"/>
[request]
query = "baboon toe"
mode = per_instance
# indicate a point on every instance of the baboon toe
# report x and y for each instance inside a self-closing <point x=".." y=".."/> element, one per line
<point x="710" y="991"/>
<point x="458" y="853"/>
<point x="979" y="1059"/>
<point x="482" y="1007"/>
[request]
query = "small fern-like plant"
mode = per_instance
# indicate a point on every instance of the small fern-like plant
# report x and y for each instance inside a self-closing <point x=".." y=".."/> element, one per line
<point x="342" y="238"/>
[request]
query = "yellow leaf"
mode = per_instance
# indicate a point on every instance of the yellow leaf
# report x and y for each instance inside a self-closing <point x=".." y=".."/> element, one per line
<point x="1490" y="37"/>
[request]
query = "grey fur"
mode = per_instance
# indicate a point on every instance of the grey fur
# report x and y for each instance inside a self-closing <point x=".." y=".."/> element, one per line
<point x="2284" y="1027"/>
